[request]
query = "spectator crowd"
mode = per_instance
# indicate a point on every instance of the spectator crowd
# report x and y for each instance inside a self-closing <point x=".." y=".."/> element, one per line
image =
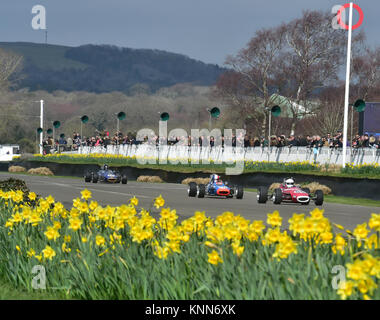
<point x="104" y="139"/>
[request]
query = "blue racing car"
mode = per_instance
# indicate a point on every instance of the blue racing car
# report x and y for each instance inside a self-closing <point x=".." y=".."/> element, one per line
<point x="105" y="175"/>
<point x="216" y="188"/>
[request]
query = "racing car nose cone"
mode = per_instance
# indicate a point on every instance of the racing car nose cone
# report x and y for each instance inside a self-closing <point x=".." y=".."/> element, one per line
<point x="303" y="199"/>
<point x="223" y="192"/>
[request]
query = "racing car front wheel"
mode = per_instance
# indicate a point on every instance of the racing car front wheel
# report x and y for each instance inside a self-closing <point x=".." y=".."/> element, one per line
<point x="239" y="191"/>
<point x="95" y="178"/>
<point x="87" y="177"/>
<point x="262" y="195"/>
<point x="318" y="197"/>
<point x="124" y="179"/>
<point x="192" y="189"/>
<point x="277" y="196"/>
<point x="201" y="191"/>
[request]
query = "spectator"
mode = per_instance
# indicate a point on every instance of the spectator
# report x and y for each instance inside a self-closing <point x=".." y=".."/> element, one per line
<point x="280" y="142"/>
<point x="212" y="142"/>
<point x="309" y="141"/>
<point x="246" y="141"/>
<point x="292" y="142"/>
<point x="302" y="142"/>
<point x="372" y="142"/>
<point x="62" y="141"/>
<point x="256" y="142"/>
<point x="69" y="144"/>
<point x="365" y="141"/>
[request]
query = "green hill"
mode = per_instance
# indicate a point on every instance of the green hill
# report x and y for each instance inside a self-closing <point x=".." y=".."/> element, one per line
<point x="105" y="68"/>
<point x="47" y="57"/>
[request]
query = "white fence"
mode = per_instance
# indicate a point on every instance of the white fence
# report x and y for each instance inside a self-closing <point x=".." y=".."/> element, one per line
<point x="182" y="154"/>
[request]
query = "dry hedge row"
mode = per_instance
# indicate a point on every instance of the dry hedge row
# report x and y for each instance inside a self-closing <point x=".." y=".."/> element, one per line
<point x="151" y="179"/>
<point x="42" y="171"/>
<point x="196" y="180"/>
<point x="16" y="169"/>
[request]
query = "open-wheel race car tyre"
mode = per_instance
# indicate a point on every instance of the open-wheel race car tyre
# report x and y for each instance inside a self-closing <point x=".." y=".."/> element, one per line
<point x="124" y="179"/>
<point x="318" y="197"/>
<point x="239" y="192"/>
<point x="232" y="192"/>
<point x="262" y="195"/>
<point x="192" y="189"/>
<point x="201" y="191"/>
<point x="307" y="190"/>
<point x="87" y="177"/>
<point x="277" y="196"/>
<point x="95" y="178"/>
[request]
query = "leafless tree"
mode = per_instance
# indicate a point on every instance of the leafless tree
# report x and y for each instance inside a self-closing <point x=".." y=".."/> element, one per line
<point x="310" y="61"/>
<point x="248" y="86"/>
<point x="328" y="118"/>
<point x="366" y="75"/>
<point x="9" y="64"/>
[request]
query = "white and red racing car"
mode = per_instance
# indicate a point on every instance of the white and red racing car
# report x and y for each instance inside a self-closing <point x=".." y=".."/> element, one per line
<point x="291" y="193"/>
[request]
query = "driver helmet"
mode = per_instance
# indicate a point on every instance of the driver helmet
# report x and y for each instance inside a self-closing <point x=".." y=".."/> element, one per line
<point x="105" y="167"/>
<point x="216" y="178"/>
<point x="289" y="183"/>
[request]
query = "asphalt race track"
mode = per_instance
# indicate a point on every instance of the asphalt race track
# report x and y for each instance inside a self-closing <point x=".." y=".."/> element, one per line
<point x="175" y="195"/>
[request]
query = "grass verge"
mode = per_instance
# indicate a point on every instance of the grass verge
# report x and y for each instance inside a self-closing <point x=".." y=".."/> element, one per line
<point x="305" y="169"/>
<point x="36" y="175"/>
<point x="343" y="200"/>
<point x="8" y="292"/>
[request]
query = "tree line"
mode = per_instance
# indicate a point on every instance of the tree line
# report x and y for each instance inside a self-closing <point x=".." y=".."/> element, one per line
<point x="302" y="61"/>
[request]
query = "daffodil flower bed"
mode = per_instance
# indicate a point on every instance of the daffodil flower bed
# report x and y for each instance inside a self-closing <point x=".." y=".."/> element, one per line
<point x="96" y="252"/>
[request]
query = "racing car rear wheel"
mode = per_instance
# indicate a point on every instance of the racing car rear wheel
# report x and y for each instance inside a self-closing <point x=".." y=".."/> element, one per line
<point x="239" y="191"/>
<point x="192" y="189"/>
<point x="87" y="177"/>
<point x="124" y="179"/>
<point x="95" y="178"/>
<point x="277" y="196"/>
<point x="201" y="190"/>
<point x="262" y="195"/>
<point x="318" y="197"/>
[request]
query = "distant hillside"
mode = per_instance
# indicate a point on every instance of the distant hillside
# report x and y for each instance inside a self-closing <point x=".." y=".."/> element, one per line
<point x="104" y="68"/>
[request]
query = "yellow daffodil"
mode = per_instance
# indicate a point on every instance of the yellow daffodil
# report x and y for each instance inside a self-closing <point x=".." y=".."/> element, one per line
<point x="48" y="253"/>
<point x="159" y="202"/>
<point x="214" y="258"/>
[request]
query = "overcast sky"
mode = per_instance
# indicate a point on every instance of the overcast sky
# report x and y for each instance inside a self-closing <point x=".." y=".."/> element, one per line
<point x="207" y="30"/>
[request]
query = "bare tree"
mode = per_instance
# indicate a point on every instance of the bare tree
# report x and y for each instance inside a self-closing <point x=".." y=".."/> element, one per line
<point x="329" y="116"/>
<point x="310" y="61"/>
<point x="366" y="75"/>
<point x="248" y="86"/>
<point x="9" y="64"/>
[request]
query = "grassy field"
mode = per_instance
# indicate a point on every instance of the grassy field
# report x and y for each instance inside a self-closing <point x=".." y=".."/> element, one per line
<point x="9" y="292"/>
<point x="343" y="200"/>
<point x="352" y="201"/>
<point x="44" y="56"/>
<point x="307" y="168"/>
